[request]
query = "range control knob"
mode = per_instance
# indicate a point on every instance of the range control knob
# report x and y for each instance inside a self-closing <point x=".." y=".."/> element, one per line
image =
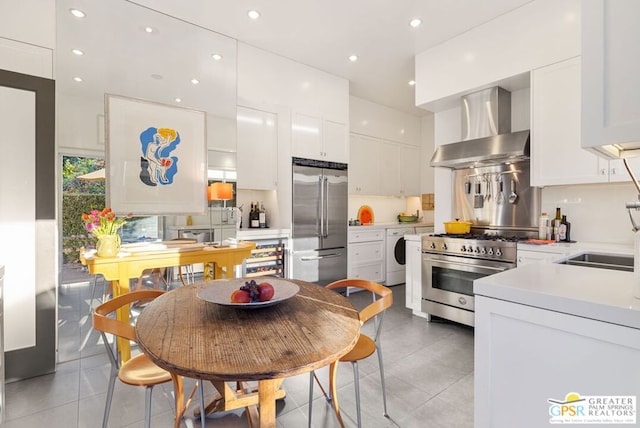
<point x="444" y="247"/>
<point x="463" y="249"/>
<point x="432" y="245"/>
<point x="483" y="250"/>
<point x="498" y="252"/>
<point x="470" y="249"/>
<point x="477" y="250"/>
<point x="490" y="251"/>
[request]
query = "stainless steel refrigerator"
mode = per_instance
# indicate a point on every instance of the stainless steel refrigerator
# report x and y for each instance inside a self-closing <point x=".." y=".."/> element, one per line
<point x="320" y="210"/>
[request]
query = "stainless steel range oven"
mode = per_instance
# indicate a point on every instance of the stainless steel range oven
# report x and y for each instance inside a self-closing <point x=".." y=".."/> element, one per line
<point x="450" y="264"/>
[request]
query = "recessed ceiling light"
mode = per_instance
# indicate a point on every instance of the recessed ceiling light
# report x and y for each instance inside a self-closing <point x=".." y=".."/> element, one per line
<point x="157" y="76"/>
<point x="178" y="100"/>
<point x="253" y="14"/>
<point x="77" y="52"/>
<point x="149" y="29"/>
<point x="217" y="57"/>
<point x="77" y="13"/>
<point x="195" y="81"/>
<point x="353" y="58"/>
<point x="77" y="79"/>
<point x="415" y="22"/>
<point x="412" y="82"/>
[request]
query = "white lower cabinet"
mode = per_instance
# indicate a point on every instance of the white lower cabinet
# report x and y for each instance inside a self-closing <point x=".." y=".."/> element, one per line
<point x="366" y="255"/>
<point x="413" y="281"/>
<point x="525" y="257"/>
<point x="526" y="356"/>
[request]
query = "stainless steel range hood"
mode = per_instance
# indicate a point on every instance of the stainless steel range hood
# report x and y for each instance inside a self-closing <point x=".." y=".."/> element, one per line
<point x="487" y="136"/>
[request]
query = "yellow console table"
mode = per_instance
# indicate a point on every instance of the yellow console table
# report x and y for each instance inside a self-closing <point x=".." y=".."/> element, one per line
<point x="221" y="261"/>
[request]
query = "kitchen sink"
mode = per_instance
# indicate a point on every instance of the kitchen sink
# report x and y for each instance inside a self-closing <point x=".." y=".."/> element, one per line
<point x="602" y="261"/>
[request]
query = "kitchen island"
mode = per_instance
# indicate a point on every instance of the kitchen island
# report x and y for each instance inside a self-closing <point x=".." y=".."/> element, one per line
<point x="545" y="330"/>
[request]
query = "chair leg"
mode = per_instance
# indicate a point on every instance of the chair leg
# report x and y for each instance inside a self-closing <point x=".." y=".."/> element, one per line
<point x="356" y="382"/>
<point x="384" y="389"/>
<point x="333" y="388"/>
<point x="311" y="380"/>
<point x="107" y="406"/>
<point x="203" y="411"/>
<point x="147" y="406"/>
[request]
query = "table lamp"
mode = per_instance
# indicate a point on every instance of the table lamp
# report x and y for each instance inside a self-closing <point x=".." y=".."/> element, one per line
<point x="218" y="192"/>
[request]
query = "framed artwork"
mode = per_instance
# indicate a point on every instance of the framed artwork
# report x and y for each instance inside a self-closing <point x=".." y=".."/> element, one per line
<point x="156" y="158"/>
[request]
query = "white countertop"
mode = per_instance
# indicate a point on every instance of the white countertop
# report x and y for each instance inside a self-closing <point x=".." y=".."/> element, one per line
<point x="599" y="294"/>
<point x="390" y="225"/>
<point x="249" y="234"/>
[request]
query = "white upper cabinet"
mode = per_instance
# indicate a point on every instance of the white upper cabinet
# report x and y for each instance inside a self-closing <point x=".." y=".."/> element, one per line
<point x="335" y="141"/>
<point x="410" y="171"/>
<point x="557" y="157"/>
<point x="317" y="138"/>
<point x="257" y="149"/>
<point x="610" y="73"/>
<point x="389" y="168"/>
<point x="317" y="101"/>
<point x="364" y="175"/>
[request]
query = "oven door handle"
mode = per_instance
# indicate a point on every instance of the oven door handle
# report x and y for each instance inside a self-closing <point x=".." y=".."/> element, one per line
<point x="466" y="267"/>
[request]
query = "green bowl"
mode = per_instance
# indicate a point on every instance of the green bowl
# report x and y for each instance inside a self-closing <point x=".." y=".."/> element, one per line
<point x="407" y="218"/>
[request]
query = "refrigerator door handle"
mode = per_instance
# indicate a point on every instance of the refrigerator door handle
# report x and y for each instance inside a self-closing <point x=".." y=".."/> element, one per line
<point x="325" y="205"/>
<point x="326" y="256"/>
<point x="320" y="220"/>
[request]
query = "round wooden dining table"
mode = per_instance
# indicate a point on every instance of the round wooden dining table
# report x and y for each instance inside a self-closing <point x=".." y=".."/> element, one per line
<point x="226" y="345"/>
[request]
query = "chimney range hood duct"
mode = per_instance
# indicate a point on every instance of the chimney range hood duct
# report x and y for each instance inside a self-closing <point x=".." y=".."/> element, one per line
<point x="486" y="129"/>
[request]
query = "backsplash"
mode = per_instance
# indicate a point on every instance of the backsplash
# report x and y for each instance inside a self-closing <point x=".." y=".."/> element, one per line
<point x="596" y="211"/>
<point x="386" y="208"/>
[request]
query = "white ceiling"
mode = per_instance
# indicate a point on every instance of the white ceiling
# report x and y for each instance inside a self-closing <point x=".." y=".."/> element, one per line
<point x="323" y="33"/>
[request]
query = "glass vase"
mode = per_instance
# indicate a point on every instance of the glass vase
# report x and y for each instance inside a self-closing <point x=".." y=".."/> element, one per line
<point x="108" y="245"/>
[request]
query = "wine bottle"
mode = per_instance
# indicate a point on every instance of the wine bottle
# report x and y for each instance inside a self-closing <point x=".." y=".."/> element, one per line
<point x="555" y="226"/>
<point x="565" y="229"/>
<point x="254" y="216"/>
<point x="262" y="217"/>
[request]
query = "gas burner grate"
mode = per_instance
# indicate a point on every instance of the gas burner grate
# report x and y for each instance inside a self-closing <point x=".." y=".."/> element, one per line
<point x="480" y="237"/>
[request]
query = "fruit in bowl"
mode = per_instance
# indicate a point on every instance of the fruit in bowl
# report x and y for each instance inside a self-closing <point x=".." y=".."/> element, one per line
<point x="252" y="292"/>
<point x="407" y="218"/>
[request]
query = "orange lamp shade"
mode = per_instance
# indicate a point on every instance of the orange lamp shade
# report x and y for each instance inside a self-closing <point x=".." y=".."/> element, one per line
<point x="220" y="192"/>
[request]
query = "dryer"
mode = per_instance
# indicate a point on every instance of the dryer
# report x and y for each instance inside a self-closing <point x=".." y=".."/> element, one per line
<point x="396" y="254"/>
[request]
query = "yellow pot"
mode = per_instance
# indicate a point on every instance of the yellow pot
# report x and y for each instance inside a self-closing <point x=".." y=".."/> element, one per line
<point x="457" y="227"/>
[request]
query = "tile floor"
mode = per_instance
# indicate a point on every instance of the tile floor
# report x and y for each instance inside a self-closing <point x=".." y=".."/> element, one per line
<point x="428" y="367"/>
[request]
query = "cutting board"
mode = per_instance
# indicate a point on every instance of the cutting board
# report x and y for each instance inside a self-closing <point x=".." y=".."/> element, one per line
<point x="365" y="215"/>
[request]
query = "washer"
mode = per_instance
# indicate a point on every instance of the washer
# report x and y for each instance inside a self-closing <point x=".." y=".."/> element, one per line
<point x="395" y="254"/>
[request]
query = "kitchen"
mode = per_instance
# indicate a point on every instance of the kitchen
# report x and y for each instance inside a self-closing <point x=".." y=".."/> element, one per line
<point x="589" y="206"/>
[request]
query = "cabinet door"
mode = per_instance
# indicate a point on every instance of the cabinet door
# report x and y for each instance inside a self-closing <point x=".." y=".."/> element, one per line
<point x="364" y="174"/>
<point x="390" y="156"/>
<point x="410" y="171"/>
<point x="413" y="271"/>
<point x="306" y="136"/>
<point x="557" y="156"/>
<point x="335" y="144"/>
<point x="610" y="72"/>
<point x="257" y="153"/>
<point x="527" y="257"/>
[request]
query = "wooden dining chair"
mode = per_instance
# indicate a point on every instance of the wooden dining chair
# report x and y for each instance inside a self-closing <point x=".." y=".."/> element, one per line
<point x="365" y="347"/>
<point x="139" y="370"/>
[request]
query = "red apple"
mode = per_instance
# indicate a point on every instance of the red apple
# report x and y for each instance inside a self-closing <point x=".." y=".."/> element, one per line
<point x="240" y="296"/>
<point x="266" y="291"/>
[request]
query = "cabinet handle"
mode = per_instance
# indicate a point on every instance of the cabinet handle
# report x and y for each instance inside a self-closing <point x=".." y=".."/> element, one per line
<point x="603" y="171"/>
<point x="613" y="171"/>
